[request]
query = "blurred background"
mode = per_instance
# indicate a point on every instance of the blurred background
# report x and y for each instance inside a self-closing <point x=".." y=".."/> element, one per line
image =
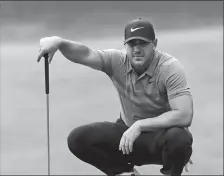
<point x="191" y="31"/>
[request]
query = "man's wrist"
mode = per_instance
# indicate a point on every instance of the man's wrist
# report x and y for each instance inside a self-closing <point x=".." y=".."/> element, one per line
<point x="139" y="125"/>
<point x="60" y="42"/>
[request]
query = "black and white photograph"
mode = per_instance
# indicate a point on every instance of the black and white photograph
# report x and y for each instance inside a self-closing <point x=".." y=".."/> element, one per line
<point x="111" y="88"/>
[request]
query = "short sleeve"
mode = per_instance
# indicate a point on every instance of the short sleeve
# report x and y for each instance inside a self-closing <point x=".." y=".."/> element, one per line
<point x="175" y="81"/>
<point x="111" y="59"/>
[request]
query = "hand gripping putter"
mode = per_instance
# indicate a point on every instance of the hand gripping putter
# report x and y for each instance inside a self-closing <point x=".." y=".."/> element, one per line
<point x="47" y="93"/>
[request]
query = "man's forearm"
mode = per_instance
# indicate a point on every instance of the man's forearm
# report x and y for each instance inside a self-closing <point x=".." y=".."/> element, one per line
<point x="73" y="51"/>
<point x="165" y="120"/>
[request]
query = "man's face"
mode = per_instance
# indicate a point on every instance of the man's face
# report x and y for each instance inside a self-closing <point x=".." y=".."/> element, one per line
<point x="140" y="53"/>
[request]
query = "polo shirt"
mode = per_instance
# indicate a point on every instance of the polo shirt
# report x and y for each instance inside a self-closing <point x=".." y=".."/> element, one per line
<point x="147" y="95"/>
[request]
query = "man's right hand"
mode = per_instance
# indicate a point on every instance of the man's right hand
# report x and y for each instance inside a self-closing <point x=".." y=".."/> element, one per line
<point x="48" y="45"/>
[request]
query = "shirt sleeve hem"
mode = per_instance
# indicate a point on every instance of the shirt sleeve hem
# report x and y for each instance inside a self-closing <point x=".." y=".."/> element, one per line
<point x="178" y="95"/>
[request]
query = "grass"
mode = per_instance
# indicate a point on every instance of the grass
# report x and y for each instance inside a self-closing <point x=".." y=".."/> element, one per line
<point x="80" y="95"/>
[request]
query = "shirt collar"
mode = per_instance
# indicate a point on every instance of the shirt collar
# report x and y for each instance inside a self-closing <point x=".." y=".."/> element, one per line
<point x="151" y="67"/>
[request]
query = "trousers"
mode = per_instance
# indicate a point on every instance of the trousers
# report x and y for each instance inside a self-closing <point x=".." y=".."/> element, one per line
<point x="98" y="144"/>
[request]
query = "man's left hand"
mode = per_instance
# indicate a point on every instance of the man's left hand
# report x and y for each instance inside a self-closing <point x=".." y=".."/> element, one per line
<point x="129" y="137"/>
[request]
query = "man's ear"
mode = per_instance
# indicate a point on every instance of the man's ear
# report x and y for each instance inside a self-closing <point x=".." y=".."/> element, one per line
<point x="155" y="43"/>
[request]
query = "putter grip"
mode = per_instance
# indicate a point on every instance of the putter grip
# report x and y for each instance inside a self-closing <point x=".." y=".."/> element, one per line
<point x="46" y="73"/>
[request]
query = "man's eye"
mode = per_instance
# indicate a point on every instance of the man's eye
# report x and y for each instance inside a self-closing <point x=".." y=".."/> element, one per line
<point x="131" y="43"/>
<point x="143" y="43"/>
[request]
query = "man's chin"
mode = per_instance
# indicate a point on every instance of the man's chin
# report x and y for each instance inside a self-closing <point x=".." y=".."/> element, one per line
<point x="138" y="64"/>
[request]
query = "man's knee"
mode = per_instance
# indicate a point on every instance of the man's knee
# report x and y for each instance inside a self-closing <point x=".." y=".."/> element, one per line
<point x="179" y="137"/>
<point x="76" y="139"/>
<point x="83" y="137"/>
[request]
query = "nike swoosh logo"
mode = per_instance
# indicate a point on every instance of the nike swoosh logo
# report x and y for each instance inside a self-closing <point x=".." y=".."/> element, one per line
<point x="132" y="30"/>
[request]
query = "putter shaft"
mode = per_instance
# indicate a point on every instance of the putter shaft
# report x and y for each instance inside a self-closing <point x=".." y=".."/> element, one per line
<point x="47" y="93"/>
<point x="48" y="136"/>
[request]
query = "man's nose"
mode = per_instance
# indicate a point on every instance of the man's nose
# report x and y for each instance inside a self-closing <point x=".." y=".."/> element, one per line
<point x="137" y="49"/>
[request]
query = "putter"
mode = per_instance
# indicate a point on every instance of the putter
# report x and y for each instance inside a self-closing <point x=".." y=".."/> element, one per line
<point x="47" y="93"/>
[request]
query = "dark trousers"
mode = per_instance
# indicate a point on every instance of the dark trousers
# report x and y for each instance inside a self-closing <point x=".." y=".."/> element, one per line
<point x="98" y="144"/>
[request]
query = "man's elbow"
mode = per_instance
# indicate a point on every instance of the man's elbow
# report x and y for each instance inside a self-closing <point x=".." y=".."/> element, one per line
<point x="187" y="118"/>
